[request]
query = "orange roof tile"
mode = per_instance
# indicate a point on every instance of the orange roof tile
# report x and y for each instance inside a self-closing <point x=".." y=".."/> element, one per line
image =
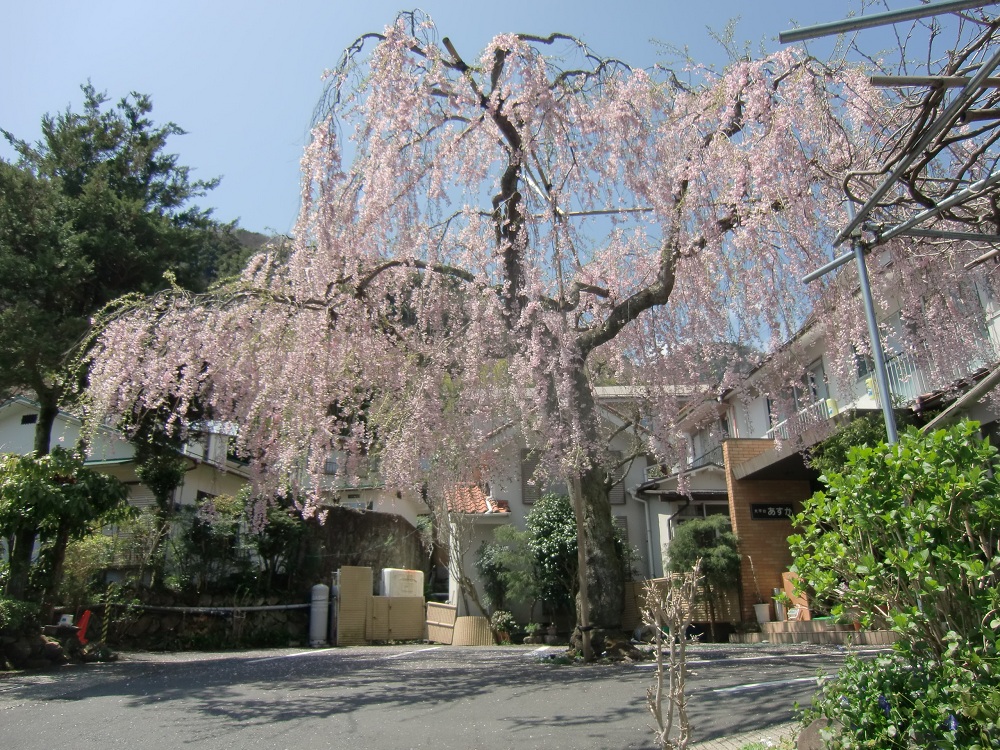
<point x="470" y="498"/>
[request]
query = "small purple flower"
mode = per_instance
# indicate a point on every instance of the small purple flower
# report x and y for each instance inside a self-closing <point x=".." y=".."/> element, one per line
<point x="952" y="723"/>
<point x="883" y="703"/>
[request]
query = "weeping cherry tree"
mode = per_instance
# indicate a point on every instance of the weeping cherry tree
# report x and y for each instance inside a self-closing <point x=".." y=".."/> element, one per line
<point x="480" y="240"/>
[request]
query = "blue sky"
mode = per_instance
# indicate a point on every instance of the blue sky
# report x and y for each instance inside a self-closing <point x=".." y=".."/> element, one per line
<point x="243" y="78"/>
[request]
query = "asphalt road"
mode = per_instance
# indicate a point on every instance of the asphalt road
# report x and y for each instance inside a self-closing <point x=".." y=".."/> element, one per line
<point x="391" y="697"/>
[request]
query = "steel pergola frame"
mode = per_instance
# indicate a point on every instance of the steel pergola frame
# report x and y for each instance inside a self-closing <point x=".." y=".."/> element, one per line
<point x="957" y="112"/>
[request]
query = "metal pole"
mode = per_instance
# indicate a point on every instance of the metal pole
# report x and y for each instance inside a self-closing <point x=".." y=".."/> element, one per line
<point x="944" y="234"/>
<point x="880" y="19"/>
<point x="969" y="193"/>
<point x="832" y="265"/>
<point x="881" y="374"/>
<point x="948" y="82"/>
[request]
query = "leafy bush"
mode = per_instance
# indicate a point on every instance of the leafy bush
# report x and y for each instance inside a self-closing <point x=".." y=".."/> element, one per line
<point x="503" y="621"/>
<point x="212" y="551"/>
<point x="86" y="560"/>
<point x="489" y="566"/>
<point x="17" y="616"/>
<point x="830" y="455"/>
<point x="910" y="536"/>
<point x="897" y="702"/>
<point x="53" y="498"/>
<point x="712" y="541"/>
<point x="551" y="526"/>
<point x="539" y="562"/>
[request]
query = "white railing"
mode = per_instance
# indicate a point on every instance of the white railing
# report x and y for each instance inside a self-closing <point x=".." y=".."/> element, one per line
<point x="653" y="472"/>
<point x="815" y="413"/>
<point x="713" y="456"/>
<point x="906" y="379"/>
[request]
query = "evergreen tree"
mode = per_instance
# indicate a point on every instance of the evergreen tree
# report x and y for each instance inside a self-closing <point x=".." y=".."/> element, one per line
<point x="95" y="210"/>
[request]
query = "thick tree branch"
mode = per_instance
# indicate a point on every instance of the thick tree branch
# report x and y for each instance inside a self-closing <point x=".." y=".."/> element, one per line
<point x="458" y="273"/>
<point x="631" y="308"/>
<point x="572" y="300"/>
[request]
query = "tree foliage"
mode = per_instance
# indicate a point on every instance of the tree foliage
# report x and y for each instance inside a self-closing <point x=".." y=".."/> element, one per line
<point x="551" y="528"/>
<point x="830" y="456"/>
<point x="538" y="563"/>
<point x="57" y="498"/>
<point x="95" y="210"/>
<point x="909" y="534"/>
<point x="712" y="542"/>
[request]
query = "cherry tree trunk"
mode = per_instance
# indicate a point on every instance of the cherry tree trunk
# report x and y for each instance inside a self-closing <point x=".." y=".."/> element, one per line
<point x="604" y="571"/>
<point x="605" y="575"/>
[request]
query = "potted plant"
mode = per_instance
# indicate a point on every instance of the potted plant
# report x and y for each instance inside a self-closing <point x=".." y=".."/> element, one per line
<point x="782" y="603"/>
<point x="533" y="633"/>
<point x="503" y="624"/>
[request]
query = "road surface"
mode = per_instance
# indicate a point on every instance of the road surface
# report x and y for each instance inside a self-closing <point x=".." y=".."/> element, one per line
<point x="392" y="697"/>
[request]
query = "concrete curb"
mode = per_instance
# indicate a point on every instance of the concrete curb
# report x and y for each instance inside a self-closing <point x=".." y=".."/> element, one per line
<point x="768" y="737"/>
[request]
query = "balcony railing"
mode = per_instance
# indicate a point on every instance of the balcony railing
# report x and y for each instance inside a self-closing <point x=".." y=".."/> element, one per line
<point x="816" y="413"/>
<point x="713" y="456"/>
<point x="906" y="379"/>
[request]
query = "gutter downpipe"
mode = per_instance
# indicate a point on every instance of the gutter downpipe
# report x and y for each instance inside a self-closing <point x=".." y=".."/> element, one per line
<point x="649" y="532"/>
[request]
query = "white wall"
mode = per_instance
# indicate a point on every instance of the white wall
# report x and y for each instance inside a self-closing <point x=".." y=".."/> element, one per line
<point x="20" y="438"/>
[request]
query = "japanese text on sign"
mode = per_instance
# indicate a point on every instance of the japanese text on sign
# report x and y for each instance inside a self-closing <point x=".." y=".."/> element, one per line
<point x="770" y="511"/>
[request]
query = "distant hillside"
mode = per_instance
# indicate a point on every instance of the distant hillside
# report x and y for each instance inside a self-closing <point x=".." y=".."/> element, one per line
<point x="240" y="245"/>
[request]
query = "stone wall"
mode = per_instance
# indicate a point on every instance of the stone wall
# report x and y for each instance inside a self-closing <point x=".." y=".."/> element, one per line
<point x="219" y="621"/>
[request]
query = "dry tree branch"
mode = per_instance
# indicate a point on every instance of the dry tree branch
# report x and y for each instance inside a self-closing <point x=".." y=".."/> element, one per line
<point x="670" y="605"/>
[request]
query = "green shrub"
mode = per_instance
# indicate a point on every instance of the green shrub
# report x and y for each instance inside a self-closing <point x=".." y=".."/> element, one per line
<point x="712" y="541"/>
<point x="86" y="560"/>
<point x="503" y="621"/>
<point x="898" y="702"/>
<point x="17" y="616"/>
<point x="539" y="563"/>
<point x="490" y="567"/>
<point x="909" y="535"/>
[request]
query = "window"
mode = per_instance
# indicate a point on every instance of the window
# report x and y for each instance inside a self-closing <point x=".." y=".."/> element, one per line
<point x="864" y="365"/>
<point x="354" y="502"/>
<point x="233" y="454"/>
<point x="29" y="419"/>
<point x="616" y="495"/>
<point x="813" y="386"/>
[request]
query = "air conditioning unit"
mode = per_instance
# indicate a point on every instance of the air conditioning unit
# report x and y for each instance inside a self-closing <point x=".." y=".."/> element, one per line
<point x="401" y="582"/>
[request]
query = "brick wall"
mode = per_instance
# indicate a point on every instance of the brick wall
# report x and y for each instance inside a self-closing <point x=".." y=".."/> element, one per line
<point x="766" y="541"/>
